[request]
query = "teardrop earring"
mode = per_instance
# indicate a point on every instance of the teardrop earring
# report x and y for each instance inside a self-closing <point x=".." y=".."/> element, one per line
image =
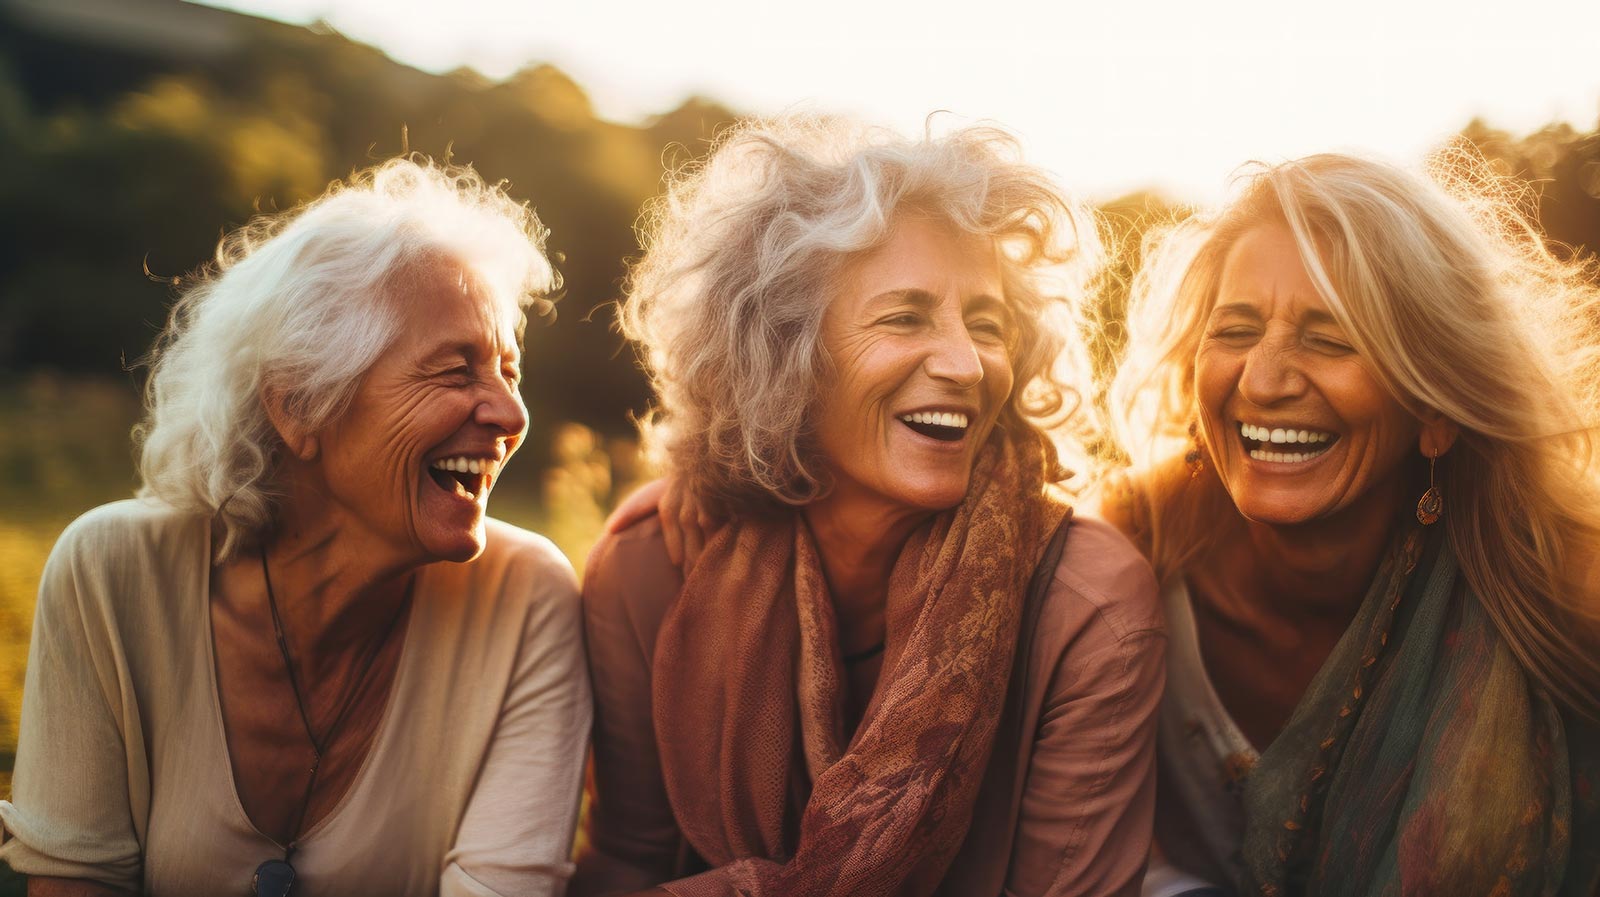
<point x="1431" y="506"/>
<point x="1195" y="458"/>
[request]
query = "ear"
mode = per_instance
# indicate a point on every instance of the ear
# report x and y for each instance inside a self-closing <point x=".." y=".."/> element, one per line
<point x="301" y="443"/>
<point x="1438" y="434"/>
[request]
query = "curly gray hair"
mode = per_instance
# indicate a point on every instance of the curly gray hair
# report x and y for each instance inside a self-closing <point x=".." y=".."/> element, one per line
<point x="302" y="304"/>
<point x="743" y="251"/>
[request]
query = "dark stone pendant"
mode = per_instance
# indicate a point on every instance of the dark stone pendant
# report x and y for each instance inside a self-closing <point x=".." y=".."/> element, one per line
<point x="1430" y="506"/>
<point x="274" y="878"/>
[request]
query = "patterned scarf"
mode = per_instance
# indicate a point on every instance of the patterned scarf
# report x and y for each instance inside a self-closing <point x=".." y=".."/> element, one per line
<point x="749" y="696"/>
<point x="1423" y="761"/>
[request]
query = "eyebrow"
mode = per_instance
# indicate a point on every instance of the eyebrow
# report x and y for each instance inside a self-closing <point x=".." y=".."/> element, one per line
<point x="462" y="350"/>
<point x="1312" y="316"/>
<point x="924" y="299"/>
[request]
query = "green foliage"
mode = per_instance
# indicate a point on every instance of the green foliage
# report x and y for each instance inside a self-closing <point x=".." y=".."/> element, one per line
<point x="141" y="162"/>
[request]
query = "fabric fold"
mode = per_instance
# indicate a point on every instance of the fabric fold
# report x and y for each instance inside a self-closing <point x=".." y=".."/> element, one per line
<point x="749" y="695"/>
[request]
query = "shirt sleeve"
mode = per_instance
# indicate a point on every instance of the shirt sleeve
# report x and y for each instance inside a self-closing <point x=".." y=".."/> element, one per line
<point x="71" y="814"/>
<point x="630" y="838"/>
<point x="516" y="834"/>
<point x="1088" y="804"/>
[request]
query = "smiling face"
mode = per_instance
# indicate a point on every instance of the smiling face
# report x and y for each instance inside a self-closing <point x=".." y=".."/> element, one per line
<point x="1298" y="424"/>
<point x="919" y="335"/>
<point x="413" y="459"/>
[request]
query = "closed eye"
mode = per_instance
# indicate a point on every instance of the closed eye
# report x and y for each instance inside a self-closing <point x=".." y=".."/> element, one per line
<point x="1236" y="335"/>
<point x="902" y="319"/>
<point x="1328" y="345"/>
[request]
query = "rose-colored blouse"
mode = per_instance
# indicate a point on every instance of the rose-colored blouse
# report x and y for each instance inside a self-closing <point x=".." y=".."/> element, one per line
<point x="1067" y="803"/>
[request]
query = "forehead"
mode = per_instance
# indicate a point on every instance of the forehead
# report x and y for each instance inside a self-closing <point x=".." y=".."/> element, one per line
<point x="925" y="255"/>
<point x="1264" y="272"/>
<point x="446" y="302"/>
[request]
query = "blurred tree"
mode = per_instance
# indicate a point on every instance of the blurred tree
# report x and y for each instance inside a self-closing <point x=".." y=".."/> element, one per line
<point x="1563" y="164"/>
<point x="132" y="154"/>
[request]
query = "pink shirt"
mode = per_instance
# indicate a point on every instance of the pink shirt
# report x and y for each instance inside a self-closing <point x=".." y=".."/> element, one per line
<point x="1068" y="798"/>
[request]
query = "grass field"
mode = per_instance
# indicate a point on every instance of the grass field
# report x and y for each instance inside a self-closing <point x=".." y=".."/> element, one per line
<point x="64" y="448"/>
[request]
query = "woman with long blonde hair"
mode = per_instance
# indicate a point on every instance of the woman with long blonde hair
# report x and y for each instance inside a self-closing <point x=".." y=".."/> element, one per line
<point x="1359" y="408"/>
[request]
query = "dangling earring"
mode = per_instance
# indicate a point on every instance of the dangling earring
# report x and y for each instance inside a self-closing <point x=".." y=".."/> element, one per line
<point x="1196" y="457"/>
<point x="1431" y="506"/>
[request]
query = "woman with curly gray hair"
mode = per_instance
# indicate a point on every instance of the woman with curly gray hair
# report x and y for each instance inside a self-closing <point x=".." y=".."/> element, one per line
<point x="902" y="667"/>
<point x="264" y="675"/>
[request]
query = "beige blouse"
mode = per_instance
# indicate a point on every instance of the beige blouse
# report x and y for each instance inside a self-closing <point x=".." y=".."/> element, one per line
<point x="122" y="775"/>
<point x="1066" y="802"/>
<point x="1203" y="757"/>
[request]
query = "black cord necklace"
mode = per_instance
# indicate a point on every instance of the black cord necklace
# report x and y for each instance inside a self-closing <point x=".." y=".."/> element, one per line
<point x="275" y="878"/>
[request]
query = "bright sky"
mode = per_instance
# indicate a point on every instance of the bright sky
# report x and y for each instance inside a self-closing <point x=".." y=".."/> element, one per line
<point x="1110" y="95"/>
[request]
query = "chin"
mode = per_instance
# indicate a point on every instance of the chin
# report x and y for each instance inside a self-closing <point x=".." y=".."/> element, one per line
<point x="459" y="547"/>
<point x="934" y="497"/>
<point x="1274" y="512"/>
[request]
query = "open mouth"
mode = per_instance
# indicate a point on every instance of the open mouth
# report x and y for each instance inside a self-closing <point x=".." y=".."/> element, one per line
<point x="462" y="476"/>
<point x="1285" y="445"/>
<point x="945" y="426"/>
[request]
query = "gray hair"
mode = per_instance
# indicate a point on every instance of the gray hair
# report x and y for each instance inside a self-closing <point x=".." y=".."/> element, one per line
<point x="302" y="304"/>
<point x="743" y="251"/>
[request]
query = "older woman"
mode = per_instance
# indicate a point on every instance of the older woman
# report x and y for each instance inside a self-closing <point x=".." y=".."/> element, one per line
<point x="1378" y="553"/>
<point x="264" y="676"/>
<point x="870" y="683"/>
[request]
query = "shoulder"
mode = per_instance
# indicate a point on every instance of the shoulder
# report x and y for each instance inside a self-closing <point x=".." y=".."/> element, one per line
<point x="127" y="543"/>
<point x="522" y="569"/>
<point x="127" y="571"/>
<point x="1102" y="580"/>
<point x="629" y="581"/>
<point x="126" y="525"/>
<point x="525" y="553"/>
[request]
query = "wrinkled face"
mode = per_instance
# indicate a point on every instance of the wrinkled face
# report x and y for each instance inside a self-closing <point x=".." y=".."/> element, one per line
<point x="920" y="337"/>
<point x="414" y="458"/>
<point x="1297" y="423"/>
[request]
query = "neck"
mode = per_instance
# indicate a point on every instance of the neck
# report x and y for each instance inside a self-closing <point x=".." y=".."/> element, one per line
<point x="859" y="539"/>
<point x="336" y="587"/>
<point x="1323" y="566"/>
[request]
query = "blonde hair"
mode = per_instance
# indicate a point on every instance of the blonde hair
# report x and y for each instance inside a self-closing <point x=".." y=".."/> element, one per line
<point x="1446" y="286"/>
<point x="303" y="303"/>
<point x="742" y="252"/>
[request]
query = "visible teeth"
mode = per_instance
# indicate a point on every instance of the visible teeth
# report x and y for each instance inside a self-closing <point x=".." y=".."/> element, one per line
<point x="1284" y="457"/>
<point x="937" y="418"/>
<point x="463" y="464"/>
<point x="1281" y="435"/>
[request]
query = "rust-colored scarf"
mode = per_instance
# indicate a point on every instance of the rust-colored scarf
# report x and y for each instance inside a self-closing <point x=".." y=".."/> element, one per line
<point x="749" y="696"/>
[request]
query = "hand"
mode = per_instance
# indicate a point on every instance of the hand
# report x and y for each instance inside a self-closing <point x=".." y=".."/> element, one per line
<point x="643" y="502"/>
<point x="685" y="523"/>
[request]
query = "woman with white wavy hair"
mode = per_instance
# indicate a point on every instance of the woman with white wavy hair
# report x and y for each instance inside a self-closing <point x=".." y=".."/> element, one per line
<point x="902" y="667"/>
<point x="1361" y="409"/>
<point x="305" y="659"/>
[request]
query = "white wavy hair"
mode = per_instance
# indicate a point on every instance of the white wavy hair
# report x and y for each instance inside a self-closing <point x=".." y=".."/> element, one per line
<point x="302" y="304"/>
<point x="744" y="251"/>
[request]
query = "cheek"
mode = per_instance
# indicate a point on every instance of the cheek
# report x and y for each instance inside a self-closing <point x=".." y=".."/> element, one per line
<point x="1000" y="372"/>
<point x="1212" y="379"/>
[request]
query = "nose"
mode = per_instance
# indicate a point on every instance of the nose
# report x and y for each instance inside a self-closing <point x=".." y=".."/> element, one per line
<point x="500" y="407"/>
<point x="1272" y="370"/>
<point x="953" y="357"/>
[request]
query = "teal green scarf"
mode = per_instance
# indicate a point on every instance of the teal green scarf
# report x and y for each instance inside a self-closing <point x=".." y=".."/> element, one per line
<point x="1423" y="761"/>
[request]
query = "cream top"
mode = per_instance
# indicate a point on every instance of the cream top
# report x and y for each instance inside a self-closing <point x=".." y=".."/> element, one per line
<point x="123" y="776"/>
<point x="1204" y="756"/>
